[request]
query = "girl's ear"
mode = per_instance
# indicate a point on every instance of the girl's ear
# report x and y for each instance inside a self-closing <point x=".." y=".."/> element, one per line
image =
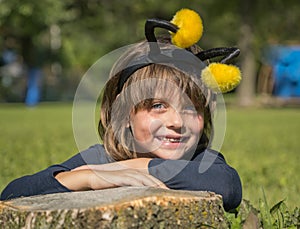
<point x="128" y="123"/>
<point x="127" y="120"/>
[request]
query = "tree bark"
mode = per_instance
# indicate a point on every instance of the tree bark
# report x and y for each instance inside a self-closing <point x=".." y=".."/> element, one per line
<point x="125" y="207"/>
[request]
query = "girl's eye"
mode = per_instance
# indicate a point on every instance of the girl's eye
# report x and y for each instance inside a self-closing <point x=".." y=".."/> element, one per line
<point x="158" y="106"/>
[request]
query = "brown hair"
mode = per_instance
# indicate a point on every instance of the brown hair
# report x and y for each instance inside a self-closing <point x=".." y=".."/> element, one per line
<point x="142" y="85"/>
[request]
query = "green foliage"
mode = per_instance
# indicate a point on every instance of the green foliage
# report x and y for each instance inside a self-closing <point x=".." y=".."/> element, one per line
<point x="22" y="18"/>
<point x="89" y="29"/>
<point x="279" y="216"/>
<point x="276" y="217"/>
<point x="92" y="28"/>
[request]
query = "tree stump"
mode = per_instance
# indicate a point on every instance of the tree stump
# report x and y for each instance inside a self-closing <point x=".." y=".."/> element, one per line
<point x="124" y="207"/>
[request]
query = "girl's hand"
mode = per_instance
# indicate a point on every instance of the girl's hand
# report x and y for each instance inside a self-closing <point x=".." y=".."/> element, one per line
<point x="124" y="173"/>
<point x="125" y="177"/>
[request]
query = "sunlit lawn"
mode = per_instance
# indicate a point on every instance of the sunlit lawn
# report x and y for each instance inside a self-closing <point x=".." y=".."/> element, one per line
<point x="262" y="144"/>
<point x="33" y="138"/>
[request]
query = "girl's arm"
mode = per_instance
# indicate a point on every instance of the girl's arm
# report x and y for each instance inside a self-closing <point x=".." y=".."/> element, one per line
<point x="44" y="182"/>
<point x="63" y="177"/>
<point x="175" y="174"/>
<point x="95" y="177"/>
<point x="217" y="176"/>
<point x="182" y="175"/>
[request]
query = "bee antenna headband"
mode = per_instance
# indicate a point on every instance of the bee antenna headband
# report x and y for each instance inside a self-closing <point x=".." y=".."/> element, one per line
<point x="186" y="30"/>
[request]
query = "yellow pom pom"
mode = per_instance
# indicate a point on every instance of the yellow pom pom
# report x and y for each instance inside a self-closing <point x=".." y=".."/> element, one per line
<point x="190" y="28"/>
<point x="221" y="77"/>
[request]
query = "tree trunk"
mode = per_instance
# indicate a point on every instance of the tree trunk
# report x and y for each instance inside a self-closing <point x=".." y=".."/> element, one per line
<point x="125" y="207"/>
<point x="246" y="90"/>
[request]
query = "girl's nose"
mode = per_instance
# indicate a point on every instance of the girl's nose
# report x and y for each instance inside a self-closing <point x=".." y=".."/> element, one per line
<point x="173" y="119"/>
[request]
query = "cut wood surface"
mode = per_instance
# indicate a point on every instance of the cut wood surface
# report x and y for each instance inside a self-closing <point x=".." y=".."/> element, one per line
<point x="124" y="207"/>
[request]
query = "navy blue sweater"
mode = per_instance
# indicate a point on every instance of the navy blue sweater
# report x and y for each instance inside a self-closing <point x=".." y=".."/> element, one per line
<point x="208" y="171"/>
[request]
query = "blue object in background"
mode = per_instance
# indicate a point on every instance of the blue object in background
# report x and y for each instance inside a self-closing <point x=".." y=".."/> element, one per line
<point x="285" y="61"/>
<point x="33" y="87"/>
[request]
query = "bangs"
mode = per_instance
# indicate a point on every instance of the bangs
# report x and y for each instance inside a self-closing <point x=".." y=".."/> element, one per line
<point x="161" y="82"/>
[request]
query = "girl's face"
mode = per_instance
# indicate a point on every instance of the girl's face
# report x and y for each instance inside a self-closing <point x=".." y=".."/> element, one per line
<point x="168" y="129"/>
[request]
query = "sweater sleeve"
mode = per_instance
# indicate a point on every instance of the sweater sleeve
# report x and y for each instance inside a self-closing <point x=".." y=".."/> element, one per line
<point x="207" y="172"/>
<point x="44" y="182"/>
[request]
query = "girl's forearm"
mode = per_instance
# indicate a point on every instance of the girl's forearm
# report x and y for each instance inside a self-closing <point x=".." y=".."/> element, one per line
<point x="85" y="179"/>
<point x="140" y="164"/>
<point x="75" y="180"/>
<point x="132" y="172"/>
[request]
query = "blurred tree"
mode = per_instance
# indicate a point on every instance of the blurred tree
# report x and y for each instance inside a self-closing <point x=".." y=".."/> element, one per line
<point x="246" y="91"/>
<point x="92" y="28"/>
<point x="28" y="23"/>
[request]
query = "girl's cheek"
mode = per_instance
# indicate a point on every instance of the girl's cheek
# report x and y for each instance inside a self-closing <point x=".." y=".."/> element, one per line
<point x="154" y="125"/>
<point x="197" y="123"/>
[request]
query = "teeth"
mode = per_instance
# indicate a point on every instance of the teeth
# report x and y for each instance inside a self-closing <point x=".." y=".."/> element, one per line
<point x="173" y="140"/>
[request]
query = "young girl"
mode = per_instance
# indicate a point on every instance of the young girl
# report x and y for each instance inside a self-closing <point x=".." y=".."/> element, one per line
<point x="156" y="127"/>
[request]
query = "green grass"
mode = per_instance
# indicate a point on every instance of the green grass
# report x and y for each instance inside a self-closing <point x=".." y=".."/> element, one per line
<point x="262" y="144"/>
<point x="33" y="138"/>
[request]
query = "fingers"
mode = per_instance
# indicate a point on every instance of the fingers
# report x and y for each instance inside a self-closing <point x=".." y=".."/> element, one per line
<point x="117" y="174"/>
<point x="126" y="177"/>
<point x="151" y="181"/>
